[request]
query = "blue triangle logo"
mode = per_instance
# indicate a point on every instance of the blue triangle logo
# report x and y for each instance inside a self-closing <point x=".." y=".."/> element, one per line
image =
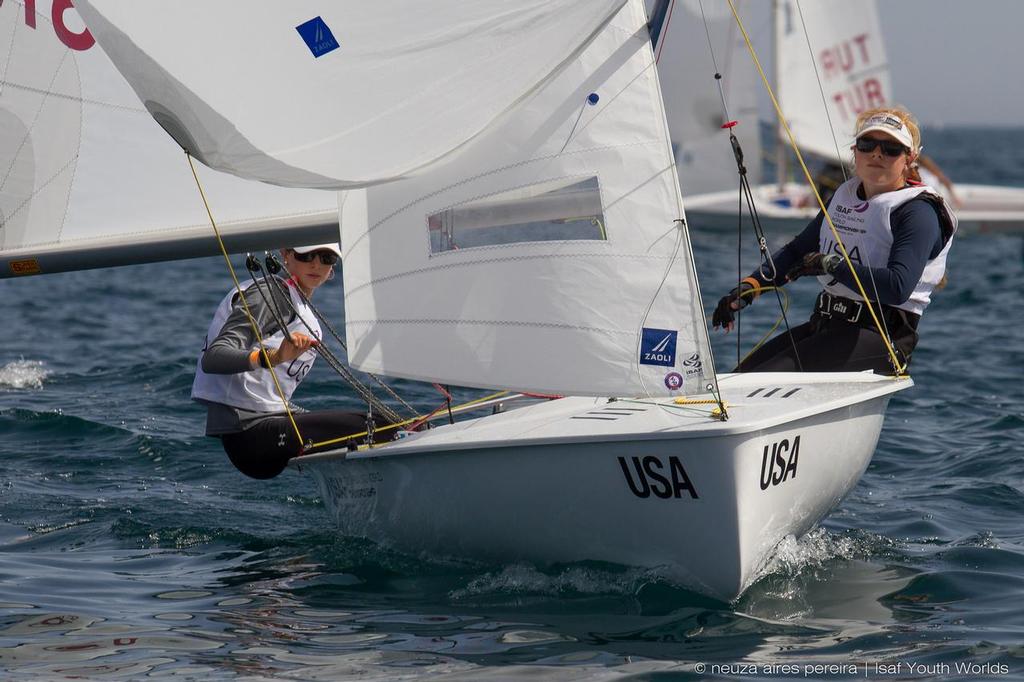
<point x="318" y="37"/>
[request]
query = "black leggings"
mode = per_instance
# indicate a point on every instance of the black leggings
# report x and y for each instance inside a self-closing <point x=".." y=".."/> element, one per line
<point x="834" y="346"/>
<point x="262" y="451"/>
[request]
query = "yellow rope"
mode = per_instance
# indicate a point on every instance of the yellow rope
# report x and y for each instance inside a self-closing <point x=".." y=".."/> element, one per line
<point x="785" y="309"/>
<point x="350" y="436"/>
<point x="693" y="401"/>
<point x="241" y="296"/>
<point x="900" y="369"/>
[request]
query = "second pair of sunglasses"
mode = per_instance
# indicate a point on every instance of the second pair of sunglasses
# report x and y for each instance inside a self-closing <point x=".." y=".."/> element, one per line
<point x="326" y="257"/>
<point x="868" y="144"/>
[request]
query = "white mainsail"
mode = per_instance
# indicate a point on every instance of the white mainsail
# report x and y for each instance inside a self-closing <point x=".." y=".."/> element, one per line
<point x="548" y="256"/>
<point x="336" y="95"/>
<point x="692" y="101"/>
<point x="88" y="179"/>
<point x="848" y="57"/>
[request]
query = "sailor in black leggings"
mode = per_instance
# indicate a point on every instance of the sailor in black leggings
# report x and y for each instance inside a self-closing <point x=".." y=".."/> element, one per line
<point x="897" y="233"/>
<point x="242" y="393"/>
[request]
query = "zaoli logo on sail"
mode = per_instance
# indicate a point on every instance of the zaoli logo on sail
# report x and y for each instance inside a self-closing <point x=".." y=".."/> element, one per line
<point x="658" y="347"/>
<point x="318" y="36"/>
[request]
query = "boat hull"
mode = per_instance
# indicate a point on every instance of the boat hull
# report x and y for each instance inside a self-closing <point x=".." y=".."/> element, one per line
<point x="704" y="510"/>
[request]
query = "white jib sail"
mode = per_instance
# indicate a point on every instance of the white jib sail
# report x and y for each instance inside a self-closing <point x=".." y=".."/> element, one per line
<point x="850" y="60"/>
<point x="546" y="256"/>
<point x="336" y="94"/>
<point x="686" y="69"/>
<point x="88" y="179"/>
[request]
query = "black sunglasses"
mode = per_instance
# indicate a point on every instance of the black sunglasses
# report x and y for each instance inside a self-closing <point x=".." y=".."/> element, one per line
<point x="326" y="257"/>
<point x="889" y="148"/>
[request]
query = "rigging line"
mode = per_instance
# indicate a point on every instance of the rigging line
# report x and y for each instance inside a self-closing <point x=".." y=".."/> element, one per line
<point x="417" y="420"/>
<point x="347" y="375"/>
<point x="821" y="89"/>
<point x="273" y="305"/>
<point x="739" y="267"/>
<point x="320" y="349"/>
<point x="335" y="363"/>
<point x="842" y="164"/>
<point x="714" y="63"/>
<point x="245" y="304"/>
<point x="899" y="368"/>
<point x="572" y="132"/>
<point x="746" y="192"/>
<point x="765" y="255"/>
<point x="268" y="297"/>
<point x="766" y="258"/>
<point x="680" y="227"/>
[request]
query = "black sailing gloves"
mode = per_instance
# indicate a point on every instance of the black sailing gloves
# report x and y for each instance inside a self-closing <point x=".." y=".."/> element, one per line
<point x="815" y="264"/>
<point x="740" y="297"/>
<point x="750" y="288"/>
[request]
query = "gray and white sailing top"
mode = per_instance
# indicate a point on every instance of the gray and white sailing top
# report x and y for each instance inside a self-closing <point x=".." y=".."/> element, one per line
<point x="224" y="376"/>
<point x="866" y="231"/>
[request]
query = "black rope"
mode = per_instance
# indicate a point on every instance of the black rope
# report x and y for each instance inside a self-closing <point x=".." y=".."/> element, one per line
<point x="253" y="265"/>
<point x="747" y="194"/>
<point x="339" y="368"/>
<point x="277" y="266"/>
<point x="271" y="281"/>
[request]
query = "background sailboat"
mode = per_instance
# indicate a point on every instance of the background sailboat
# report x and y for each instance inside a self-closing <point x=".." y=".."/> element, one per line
<point x="88" y="178"/>
<point x="851" y="65"/>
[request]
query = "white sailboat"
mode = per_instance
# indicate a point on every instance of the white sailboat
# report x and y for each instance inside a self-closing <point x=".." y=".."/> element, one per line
<point x="850" y="60"/>
<point x="87" y="177"/>
<point x="536" y="241"/>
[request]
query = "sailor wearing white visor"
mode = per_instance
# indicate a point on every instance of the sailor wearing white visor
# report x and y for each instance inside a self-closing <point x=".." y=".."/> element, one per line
<point x="234" y="381"/>
<point x="897" y="233"/>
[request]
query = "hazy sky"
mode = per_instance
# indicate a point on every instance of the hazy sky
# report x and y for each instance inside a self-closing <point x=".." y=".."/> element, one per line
<point x="957" y="62"/>
<point x="953" y="62"/>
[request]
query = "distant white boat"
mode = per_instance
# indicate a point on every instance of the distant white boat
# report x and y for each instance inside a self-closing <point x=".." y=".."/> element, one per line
<point x="850" y="60"/>
<point x="787" y="208"/>
<point x="522" y="228"/>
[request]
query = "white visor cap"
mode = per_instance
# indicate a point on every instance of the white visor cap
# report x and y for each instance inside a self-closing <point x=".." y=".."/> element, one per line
<point x="334" y="248"/>
<point x="891" y="125"/>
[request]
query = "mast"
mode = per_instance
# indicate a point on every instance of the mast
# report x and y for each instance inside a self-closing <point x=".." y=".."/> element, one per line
<point x="657" y="21"/>
<point x="780" y="149"/>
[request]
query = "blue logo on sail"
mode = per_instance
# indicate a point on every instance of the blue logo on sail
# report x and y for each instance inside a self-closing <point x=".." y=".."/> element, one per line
<point x="318" y="36"/>
<point x="658" y="347"/>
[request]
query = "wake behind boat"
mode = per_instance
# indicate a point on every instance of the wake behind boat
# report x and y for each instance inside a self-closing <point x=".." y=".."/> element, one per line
<point x="647" y="483"/>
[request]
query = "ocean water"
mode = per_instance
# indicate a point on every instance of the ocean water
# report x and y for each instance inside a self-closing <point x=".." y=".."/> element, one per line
<point x="130" y="548"/>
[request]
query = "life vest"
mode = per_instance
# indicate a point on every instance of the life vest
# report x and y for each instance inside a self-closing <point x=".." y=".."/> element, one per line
<point x="866" y="231"/>
<point x="255" y="389"/>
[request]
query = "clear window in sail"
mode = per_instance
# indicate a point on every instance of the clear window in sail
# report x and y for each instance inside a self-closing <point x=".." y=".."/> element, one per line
<point x="557" y="210"/>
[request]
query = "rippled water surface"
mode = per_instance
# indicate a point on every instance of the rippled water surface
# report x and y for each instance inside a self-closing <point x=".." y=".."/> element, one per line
<point x="131" y="547"/>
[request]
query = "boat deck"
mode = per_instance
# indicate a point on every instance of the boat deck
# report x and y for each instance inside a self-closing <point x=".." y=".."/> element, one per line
<point x="754" y="401"/>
